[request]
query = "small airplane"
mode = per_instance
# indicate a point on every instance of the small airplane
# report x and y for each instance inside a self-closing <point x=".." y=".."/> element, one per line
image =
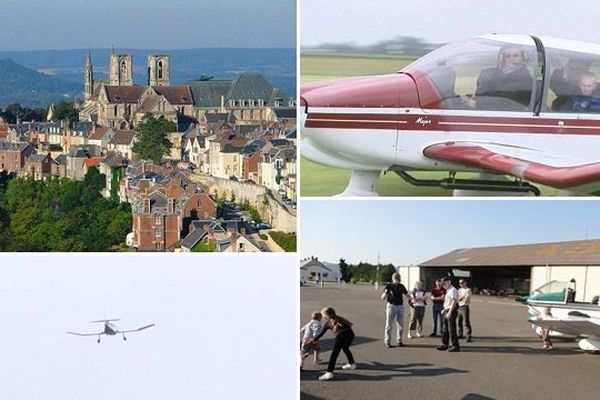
<point x="498" y="105"/>
<point x="110" y="329"/>
<point x="569" y="318"/>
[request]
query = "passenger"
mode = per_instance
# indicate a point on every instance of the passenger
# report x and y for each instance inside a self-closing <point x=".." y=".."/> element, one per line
<point x="587" y="99"/>
<point x="344" y="335"/>
<point x="564" y="81"/>
<point x="437" y="297"/>
<point x="449" y="336"/>
<point x="309" y="332"/>
<point x="507" y="87"/>
<point x="417" y="310"/>
<point x="394" y="311"/>
<point x="464" y="310"/>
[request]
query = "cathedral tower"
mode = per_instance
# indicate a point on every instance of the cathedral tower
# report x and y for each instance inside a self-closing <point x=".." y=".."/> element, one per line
<point x="158" y="70"/>
<point x="88" y="83"/>
<point x="120" y="70"/>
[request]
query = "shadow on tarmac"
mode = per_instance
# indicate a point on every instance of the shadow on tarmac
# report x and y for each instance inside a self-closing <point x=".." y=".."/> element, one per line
<point x="401" y="369"/>
<point x="474" y="396"/>
<point x="304" y="396"/>
<point x="327" y="344"/>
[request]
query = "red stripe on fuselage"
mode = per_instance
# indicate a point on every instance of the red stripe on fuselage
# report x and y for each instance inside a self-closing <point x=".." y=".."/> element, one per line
<point x="450" y="123"/>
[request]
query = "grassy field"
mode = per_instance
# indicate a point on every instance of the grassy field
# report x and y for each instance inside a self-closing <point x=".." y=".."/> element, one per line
<point x="318" y="180"/>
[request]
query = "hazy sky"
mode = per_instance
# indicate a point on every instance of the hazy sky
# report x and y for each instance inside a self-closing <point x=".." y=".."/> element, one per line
<point x="225" y="327"/>
<point x="414" y="231"/>
<point x="167" y="24"/>
<point x="335" y="21"/>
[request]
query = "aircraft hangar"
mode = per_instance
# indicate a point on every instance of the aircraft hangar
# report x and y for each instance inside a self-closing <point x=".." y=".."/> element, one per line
<point x="517" y="269"/>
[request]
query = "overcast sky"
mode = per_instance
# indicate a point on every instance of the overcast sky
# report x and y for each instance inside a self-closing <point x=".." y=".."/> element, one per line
<point x="335" y="21"/>
<point x="225" y="327"/>
<point x="165" y="24"/>
<point x="414" y="231"/>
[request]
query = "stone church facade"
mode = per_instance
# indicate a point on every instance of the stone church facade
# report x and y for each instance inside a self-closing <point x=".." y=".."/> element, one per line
<point x="119" y="104"/>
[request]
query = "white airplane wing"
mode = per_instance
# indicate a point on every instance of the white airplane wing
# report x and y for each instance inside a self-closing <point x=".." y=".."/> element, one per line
<point x="575" y="326"/>
<point x="86" y="333"/>
<point x="136" y="329"/>
<point x="537" y="166"/>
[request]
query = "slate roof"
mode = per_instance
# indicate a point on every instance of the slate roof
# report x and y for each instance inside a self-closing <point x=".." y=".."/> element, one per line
<point x="37" y="157"/>
<point x="208" y="93"/>
<point x="6" y="146"/>
<point x="580" y="252"/>
<point x="124" y="94"/>
<point x="193" y="238"/>
<point x="123" y="136"/>
<point x="285" y="112"/>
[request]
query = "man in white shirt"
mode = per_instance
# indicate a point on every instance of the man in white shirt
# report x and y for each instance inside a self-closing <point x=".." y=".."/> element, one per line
<point x="464" y="303"/>
<point x="449" y="313"/>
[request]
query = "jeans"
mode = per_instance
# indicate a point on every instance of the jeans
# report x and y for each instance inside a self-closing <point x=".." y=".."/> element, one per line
<point x="437" y="316"/>
<point x="342" y="342"/>
<point x="393" y="313"/>
<point x="449" y="335"/>
<point x="464" y="314"/>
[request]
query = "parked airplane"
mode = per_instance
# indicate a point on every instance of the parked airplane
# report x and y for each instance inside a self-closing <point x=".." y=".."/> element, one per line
<point x="510" y="107"/>
<point x="569" y="317"/>
<point x="110" y="329"/>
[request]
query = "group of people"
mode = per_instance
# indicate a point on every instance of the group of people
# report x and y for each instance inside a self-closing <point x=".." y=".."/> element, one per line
<point x="451" y="306"/>
<point x="509" y="85"/>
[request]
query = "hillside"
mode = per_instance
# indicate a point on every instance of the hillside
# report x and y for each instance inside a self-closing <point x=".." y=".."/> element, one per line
<point x="30" y="88"/>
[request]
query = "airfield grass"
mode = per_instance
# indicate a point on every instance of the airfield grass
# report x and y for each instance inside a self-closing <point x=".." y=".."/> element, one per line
<point x="319" y="180"/>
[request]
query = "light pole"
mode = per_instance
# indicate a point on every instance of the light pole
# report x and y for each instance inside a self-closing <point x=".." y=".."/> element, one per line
<point x="377" y="274"/>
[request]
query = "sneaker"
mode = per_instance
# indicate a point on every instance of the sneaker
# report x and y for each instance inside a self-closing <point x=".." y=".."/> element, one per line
<point x="419" y="334"/>
<point x="469" y="339"/>
<point x="400" y="344"/>
<point x="453" y="349"/>
<point x="442" y="348"/>
<point x="409" y="335"/>
<point x="327" y="376"/>
<point x="432" y="334"/>
<point x="349" y="366"/>
<point x="388" y="345"/>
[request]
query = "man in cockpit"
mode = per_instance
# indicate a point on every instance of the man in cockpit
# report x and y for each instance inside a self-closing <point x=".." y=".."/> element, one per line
<point x="587" y="99"/>
<point x="506" y="87"/>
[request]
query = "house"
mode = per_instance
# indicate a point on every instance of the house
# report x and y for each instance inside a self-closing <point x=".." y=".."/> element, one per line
<point x="156" y="222"/>
<point x="122" y="143"/>
<point x="13" y="155"/>
<point x="209" y="235"/>
<point x="100" y="136"/>
<point x="311" y="269"/>
<point x="39" y="166"/>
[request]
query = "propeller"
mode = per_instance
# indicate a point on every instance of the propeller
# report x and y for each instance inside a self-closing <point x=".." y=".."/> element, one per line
<point x="107" y="320"/>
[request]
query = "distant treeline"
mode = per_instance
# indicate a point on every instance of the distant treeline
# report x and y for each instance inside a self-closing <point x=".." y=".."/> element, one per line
<point x="402" y="45"/>
<point x="366" y="272"/>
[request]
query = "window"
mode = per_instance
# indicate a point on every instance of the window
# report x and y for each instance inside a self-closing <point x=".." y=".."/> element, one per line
<point x="478" y="74"/>
<point x="241" y="247"/>
<point x="123" y="69"/>
<point x="571" y="83"/>
<point x="158" y="232"/>
<point x="160" y="69"/>
<point x="158" y="220"/>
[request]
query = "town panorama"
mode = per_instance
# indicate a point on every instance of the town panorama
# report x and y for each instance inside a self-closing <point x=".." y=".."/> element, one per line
<point x="206" y="166"/>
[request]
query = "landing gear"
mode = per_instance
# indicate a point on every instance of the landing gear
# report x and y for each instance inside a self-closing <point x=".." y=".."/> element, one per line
<point x="98" y="339"/>
<point x="124" y="338"/>
<point x="484" y="185"/>
<point x="362" y="183"/>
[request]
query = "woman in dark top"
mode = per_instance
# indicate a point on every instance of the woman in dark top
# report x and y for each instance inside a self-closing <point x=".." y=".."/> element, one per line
<point x="344" y="335"/>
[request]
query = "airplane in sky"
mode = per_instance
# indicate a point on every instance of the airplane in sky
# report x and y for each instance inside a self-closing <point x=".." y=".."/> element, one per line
<point x="519" y="110"/>
<point x="110" y="329"/>
<point x="569" y="318"/>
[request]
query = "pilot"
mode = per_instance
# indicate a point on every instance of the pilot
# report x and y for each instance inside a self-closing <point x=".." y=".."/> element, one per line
<point x="564" y="81"/>
<point x="506" y="87"/>
<point x="587" y="99"/>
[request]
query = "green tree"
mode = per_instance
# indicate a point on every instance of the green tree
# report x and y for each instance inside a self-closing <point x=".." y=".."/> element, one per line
<point x="65" y="111"/>
<point x="152" y="142"/>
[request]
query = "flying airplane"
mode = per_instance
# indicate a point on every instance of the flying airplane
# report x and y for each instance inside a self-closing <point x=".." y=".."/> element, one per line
<point x="110" y="329"/>
<point x="569" y="318"/>
<point x="498" y="105"/>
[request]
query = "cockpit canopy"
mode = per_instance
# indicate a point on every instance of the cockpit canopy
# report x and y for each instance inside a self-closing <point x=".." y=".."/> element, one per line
<point x="554" y="292"/>
<point x="510" y="73"/>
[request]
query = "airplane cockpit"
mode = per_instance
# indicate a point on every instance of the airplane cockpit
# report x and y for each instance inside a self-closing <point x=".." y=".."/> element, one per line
<point x="510" y="73"/>
<point x="554" y="292"/>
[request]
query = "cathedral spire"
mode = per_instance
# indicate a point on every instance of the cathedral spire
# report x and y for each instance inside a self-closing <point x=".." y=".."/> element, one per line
<point x="88" y="84"/>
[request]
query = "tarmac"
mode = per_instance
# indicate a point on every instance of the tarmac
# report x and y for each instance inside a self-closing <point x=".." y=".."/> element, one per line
<point x="504" y="361"/>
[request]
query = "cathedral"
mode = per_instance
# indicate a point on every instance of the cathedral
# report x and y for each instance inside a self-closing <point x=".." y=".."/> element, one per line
<point x="119" y="104"/>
